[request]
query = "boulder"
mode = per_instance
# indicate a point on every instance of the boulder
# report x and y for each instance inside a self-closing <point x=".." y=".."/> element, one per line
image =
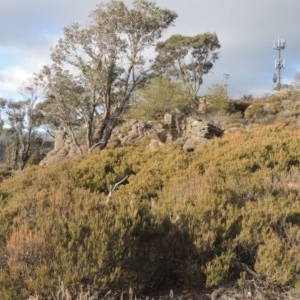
<point x="64" y="148"/>
<point x="177" y="130"/>
<point x="155" y="145"/>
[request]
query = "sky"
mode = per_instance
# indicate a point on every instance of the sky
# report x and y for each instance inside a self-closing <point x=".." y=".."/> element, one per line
<point x="246" y="31"/>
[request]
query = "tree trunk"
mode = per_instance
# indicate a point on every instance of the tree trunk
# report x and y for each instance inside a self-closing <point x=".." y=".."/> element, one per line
<point x="104" y="132"/>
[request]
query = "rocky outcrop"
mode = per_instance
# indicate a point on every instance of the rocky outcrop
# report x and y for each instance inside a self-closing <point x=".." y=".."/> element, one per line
<point x="137" y="132"/>
<point x="177" y="130"/>
<point x="189" y="132"/>
<point x="198" y="132"/>
<point x="64" y="148"/>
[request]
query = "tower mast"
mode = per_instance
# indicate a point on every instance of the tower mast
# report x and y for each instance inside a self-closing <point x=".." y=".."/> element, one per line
<point x="278" y="45"/>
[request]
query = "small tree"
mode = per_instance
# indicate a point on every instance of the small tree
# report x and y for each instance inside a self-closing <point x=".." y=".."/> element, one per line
<point x="187" y="58"/>
<point x="63" y="108"/>
<point x="23" y="119"/>
<point x="218" y="100"/>
<point x="158" y="97"/>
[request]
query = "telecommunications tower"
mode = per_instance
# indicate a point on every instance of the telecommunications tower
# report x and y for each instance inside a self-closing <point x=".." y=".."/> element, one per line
<point x="278" y="45"/>
<point x="226" y="77"/>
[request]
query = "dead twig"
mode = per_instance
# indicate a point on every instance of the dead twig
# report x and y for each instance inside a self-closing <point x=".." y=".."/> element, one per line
<point x="112" y="188"/>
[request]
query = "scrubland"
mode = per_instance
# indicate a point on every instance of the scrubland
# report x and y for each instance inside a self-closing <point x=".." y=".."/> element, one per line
<point x="226" y="214"/>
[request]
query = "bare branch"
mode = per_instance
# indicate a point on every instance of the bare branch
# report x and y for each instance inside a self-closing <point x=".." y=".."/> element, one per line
<point x="113" y="187"/>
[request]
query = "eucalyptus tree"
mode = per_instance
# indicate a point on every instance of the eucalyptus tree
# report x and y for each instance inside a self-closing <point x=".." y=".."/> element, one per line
<point x="101" y="64"/>
<point x="62" y="108"/>
<point x="21" y="122"/>
<point x="187" y="58"/>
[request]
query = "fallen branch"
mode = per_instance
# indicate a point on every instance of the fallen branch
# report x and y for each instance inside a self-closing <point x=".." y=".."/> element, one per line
<point x="113" y="187"/>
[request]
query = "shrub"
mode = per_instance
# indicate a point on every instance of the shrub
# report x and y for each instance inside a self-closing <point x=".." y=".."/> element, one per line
<point x="180" y="219"/>
<point x="159" y="97"/>
<point x="218" y="100"/>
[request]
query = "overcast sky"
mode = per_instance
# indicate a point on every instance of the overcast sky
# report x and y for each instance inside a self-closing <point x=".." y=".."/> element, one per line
<point x="246" y="30"/>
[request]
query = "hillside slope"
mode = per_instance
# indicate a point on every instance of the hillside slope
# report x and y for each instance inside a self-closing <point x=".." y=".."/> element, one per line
<point x="228" y="212"/>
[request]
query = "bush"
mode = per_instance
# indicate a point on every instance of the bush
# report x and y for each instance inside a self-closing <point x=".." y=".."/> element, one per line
<point x="218" y="100"/>
<point x="159" y="97"/>
<point x="180" y="219"/>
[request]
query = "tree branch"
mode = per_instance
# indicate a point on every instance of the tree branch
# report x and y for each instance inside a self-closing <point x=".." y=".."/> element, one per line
<point x="113" y="187"/>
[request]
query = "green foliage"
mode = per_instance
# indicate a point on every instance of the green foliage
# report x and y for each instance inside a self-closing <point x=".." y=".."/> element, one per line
<point x="255" y="111"/>
<point x="5" y="172"/>
<point x="158" y="97"/>
<point x="217" y="270"/>
<point x="180" y="219"/>
<point x="187" y="58"/>
<point x="218" y="100"/>
<point x="97" y="67"/>
<point x="278" y="258"/>
<point x="23" y="120"/>
<point x="282" y="104"/>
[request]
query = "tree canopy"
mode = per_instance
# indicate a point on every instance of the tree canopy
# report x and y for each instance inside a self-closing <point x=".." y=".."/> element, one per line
<point x="96" y="68"/>
<point x="187" y="58"/>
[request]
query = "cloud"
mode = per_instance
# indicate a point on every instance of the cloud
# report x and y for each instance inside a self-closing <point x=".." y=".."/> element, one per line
<point x="11" y="79"/>
<point x="246" y="30"/>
